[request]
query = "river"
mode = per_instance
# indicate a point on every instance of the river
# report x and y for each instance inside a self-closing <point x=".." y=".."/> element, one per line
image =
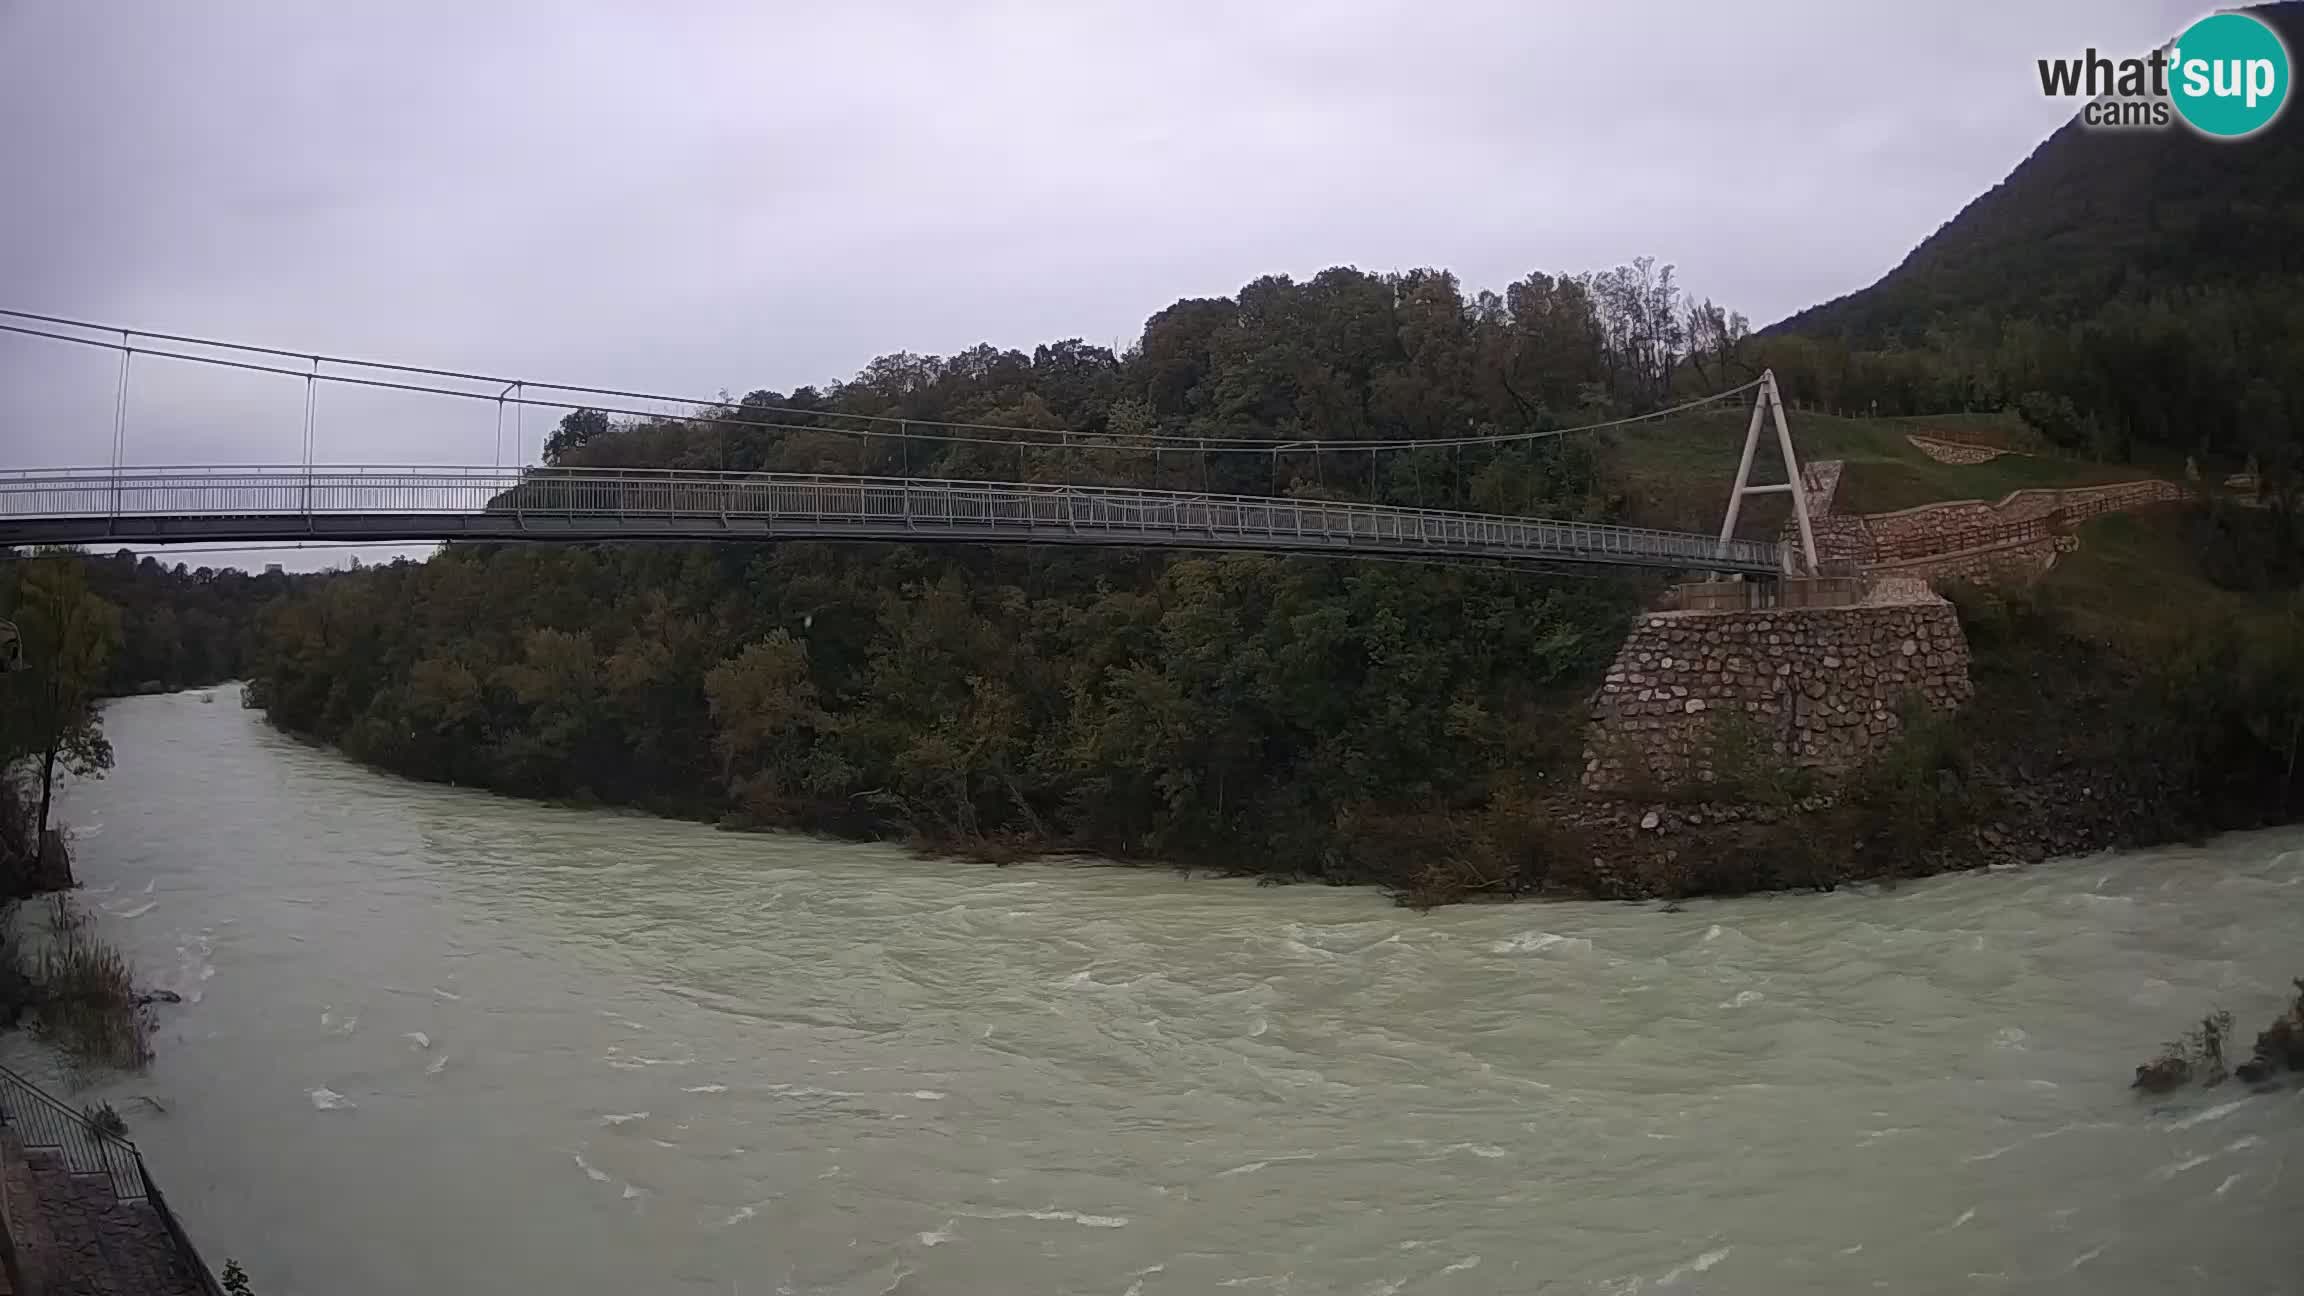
<point x="439" y="1041"/>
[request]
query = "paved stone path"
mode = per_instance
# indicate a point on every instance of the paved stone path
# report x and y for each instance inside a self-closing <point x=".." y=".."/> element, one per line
<point x="75" y="1238"/>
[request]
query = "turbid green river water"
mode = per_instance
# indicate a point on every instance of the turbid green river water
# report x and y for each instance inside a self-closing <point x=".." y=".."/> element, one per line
<point x="440" y="1041"/>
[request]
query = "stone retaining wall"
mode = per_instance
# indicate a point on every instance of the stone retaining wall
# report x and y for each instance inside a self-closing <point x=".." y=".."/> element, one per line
<point x="2095" y="501"/>
<point x="1962" y="537"/>
<point x="2010" y="562"/>
<point x="1840" y="538"/>
<point x="1986" y="438"/>
<point x="1791" y="592"/>
<point x="1821" y="686"/>
<point x="1952" y="453"/>
<point x="1940" y="526"/>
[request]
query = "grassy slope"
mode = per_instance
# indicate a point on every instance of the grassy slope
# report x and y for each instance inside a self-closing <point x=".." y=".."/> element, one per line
<point x="1676" y="472"/>
<point x="2136" y="577"/>
<point x="2133" y="579"/>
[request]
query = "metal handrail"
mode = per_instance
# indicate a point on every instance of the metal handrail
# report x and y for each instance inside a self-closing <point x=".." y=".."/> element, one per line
<point x="468" y="474"/>
<point x="43" y="1121"/>
<point x="1959" y="540"/>
<point x="936" y="504"/>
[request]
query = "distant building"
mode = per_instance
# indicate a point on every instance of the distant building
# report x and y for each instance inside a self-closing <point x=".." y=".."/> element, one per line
<point x="272" y="569"/>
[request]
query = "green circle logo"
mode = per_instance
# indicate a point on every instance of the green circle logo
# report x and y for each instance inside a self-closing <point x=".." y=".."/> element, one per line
<point x="2228" y="75"/>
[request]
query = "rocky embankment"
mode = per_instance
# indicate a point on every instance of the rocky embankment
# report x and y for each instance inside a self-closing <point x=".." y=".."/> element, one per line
<point x="1645" y="849"/>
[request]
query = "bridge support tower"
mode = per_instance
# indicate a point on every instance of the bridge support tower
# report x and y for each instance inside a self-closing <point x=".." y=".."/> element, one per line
<point x="1768" y="405"/>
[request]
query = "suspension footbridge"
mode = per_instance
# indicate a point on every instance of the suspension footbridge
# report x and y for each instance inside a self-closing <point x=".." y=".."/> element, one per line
<point x="174" y="505"/>
<point x="126" y="504"/>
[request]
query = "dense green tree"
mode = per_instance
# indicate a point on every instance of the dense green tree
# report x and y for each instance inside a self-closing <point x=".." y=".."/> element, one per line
<point x="69" y="638"/>
<point x="1127" y="702"/>
<point x="577" y="428"/>
<point x="180" y="627"/>
<point x="766" y="717"/>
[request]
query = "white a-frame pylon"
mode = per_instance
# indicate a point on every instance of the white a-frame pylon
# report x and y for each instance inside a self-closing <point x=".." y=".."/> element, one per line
<point x="1770" y="403"/>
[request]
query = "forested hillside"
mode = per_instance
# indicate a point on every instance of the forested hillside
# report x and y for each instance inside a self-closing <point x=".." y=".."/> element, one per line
<point x="2127" y="290"/>
<point x="1251" y="710"/>
<point x="2090" y="217"/>
<point x="180" y="626"/>
<point x="177" y="626"/>
<point x="1349" y="720"/>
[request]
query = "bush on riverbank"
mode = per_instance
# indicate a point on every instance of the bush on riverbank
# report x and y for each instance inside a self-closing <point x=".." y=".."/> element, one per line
<point x="2280" y="1046"/>
<point x="2200" y="1055"/>
<point x="79" y="991"/>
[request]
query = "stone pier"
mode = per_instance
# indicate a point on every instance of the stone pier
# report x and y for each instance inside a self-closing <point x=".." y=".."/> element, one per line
<point x="1821" y="686"/>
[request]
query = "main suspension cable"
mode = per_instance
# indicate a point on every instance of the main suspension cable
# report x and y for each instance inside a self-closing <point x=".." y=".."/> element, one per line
<point x="747" y="415"/>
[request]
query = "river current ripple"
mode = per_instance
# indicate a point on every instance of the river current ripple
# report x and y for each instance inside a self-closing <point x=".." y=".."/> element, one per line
<point x="436" y="1040"/>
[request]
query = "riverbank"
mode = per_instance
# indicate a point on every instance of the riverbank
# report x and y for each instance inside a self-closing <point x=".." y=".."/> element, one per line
<point x="2075" y="741"/>
<point x="1423" y="730"/>
<point x="78" y="1212"/>
<point x="847" y="1048"/>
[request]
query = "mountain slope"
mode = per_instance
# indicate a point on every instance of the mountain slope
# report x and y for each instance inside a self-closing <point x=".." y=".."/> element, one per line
<point x="2095" y="215"/>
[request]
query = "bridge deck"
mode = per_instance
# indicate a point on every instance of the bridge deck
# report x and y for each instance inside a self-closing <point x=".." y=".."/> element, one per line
<point x="164" y="505"/>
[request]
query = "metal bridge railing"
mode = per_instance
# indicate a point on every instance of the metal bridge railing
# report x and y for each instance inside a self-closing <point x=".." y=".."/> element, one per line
<point x="872" y="505"/>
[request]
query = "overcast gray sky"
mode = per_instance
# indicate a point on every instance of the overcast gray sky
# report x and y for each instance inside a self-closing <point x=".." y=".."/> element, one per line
<point x="701" y="195"/>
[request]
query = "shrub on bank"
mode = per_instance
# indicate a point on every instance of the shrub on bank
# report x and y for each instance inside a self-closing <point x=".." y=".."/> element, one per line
<point x="79" y="990"/>
<point x="2200" y="1054"/>
<point x="1917" y="798"/>
<point x="2280" y="1046"/>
